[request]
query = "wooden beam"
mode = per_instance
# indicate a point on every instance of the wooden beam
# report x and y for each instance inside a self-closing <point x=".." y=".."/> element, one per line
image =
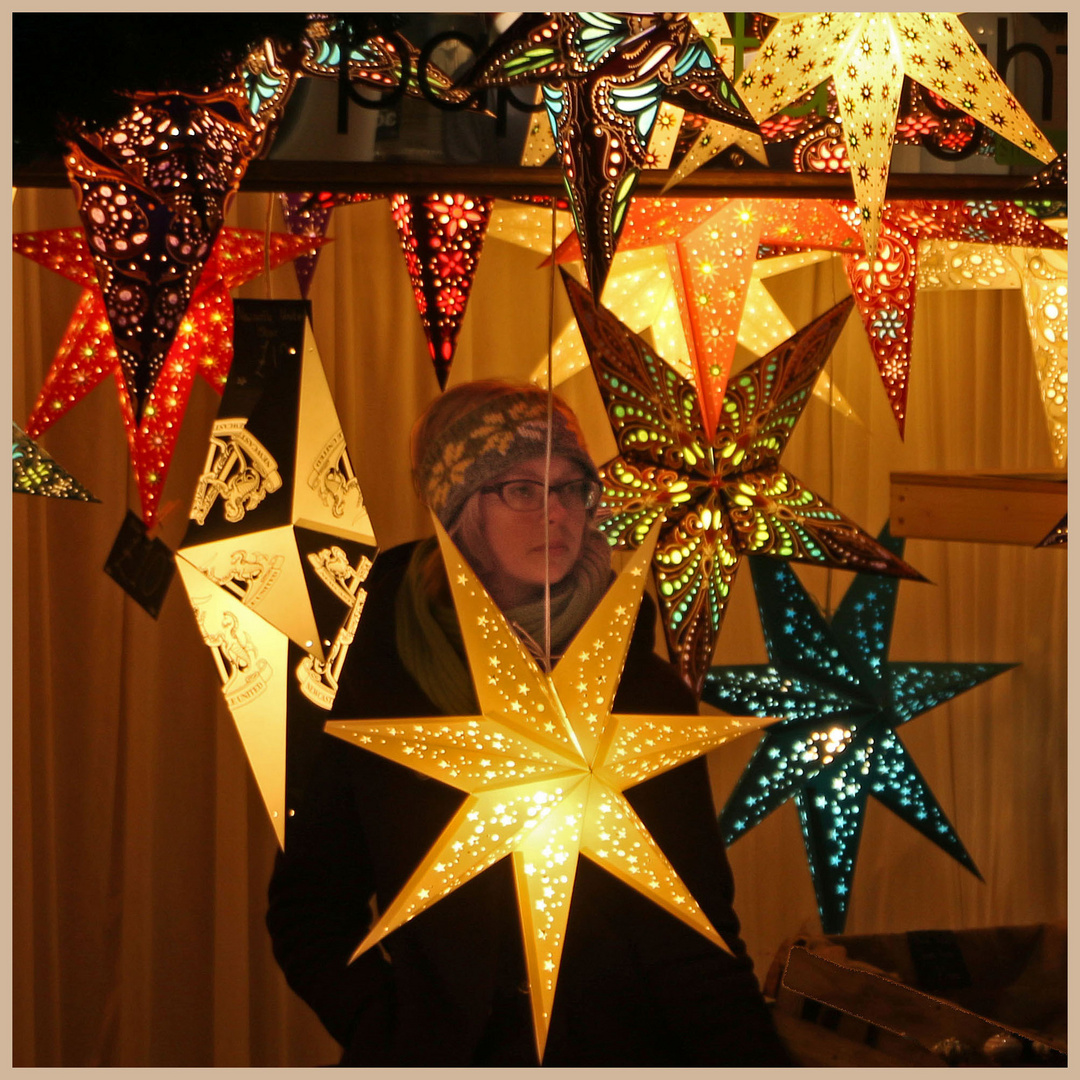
<point x="502" y="181"/>
<point x="983" y="507"/>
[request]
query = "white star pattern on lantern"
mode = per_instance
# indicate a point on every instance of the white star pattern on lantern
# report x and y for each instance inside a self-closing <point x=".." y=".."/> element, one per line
<point x="544" y="767"/>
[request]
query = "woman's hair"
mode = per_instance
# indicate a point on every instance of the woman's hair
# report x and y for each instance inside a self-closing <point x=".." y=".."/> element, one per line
<point x="467" y="437"/>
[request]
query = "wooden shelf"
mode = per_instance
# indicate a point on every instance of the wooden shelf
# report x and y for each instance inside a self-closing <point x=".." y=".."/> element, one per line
<point x="996" y="507"/>
<point x="501" y="180"/>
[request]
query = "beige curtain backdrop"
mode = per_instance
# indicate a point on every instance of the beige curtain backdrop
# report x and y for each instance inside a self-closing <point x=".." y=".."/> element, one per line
<point x="141" y="846"/>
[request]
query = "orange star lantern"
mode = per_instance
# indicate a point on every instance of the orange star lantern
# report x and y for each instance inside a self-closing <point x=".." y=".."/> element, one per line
<point x="712" y="246"/>
<point x="203" y="343"/>
<point x="867" y="54"/>
<point x="544" y="766"/>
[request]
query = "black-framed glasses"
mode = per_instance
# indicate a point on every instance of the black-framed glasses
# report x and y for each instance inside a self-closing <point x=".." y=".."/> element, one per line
<point x="528" y="495"/>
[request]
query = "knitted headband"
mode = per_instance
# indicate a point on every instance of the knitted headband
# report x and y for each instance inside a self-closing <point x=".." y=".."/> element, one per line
<point x="484" y="442"/>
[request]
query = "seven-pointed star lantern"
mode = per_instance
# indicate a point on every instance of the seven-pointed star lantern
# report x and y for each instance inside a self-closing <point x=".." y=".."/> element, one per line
<point x="867" y="54"/>
<point x="721" y="498"/>
<point x="544" y="766"/>
<point x="841" y="700"/>
<point x="604" y="76"/>
<point x="203" y="343"/>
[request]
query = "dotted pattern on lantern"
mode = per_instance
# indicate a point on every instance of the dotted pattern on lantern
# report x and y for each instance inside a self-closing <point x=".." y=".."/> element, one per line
<point x="151" y="192"/>
<point x="948" y="264"/>
<point x="604" y="77"/>
<point x="202" y="343"/>
<point x="867" y="55"/>
<point x="840" y="699"/>
<point x="1045" y="284"/>
<point x="701" y="541"/>
<point x="884" y="287"/>
<point x="33" y="472"/>
<point x="564" y="726"/>
<point x="442" y="237"/>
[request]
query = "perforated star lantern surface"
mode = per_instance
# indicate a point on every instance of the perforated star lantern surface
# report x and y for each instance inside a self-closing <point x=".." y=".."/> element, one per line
<point x="884" y="287"/>
<point x="33" y="472"/>
<point x="203" y="343"/>
<point x="720" y="498"/>
<point x="151" y="193"/>
<point x="604" y="76"/>
<point x="544" y="766"/>
<point x="842" y="700"/>
<point x="278" y="518"/>
<point x="867" y="55"/>
<point x="713" y="244"/>
<point x="1043" y="275"/>
<point x="442" y="237"/>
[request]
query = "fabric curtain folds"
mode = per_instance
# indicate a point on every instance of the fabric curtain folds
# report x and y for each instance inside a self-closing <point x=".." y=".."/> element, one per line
<point x="141" y="849"/>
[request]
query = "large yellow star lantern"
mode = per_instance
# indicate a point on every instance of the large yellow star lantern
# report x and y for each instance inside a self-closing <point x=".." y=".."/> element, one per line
<point x="867" y="54"/>
<point x="544" y="766"/>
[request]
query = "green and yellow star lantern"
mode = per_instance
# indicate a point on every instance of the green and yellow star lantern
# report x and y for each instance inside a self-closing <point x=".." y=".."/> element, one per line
<point x="841" y="700"/>
<point x="544" y="765"/>
<point x="719" y="498"/>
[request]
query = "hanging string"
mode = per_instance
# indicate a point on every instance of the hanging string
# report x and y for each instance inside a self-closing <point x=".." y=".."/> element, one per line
<point x="266" y="246"/>
<point x="832" y="445"/>
<point x="547" y="447"/>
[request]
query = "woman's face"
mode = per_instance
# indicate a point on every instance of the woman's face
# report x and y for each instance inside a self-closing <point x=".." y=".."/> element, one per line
<point x="515" y="538"/>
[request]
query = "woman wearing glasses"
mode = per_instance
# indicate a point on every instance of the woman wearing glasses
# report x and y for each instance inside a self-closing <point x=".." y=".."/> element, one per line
<point x="636" y="987"/>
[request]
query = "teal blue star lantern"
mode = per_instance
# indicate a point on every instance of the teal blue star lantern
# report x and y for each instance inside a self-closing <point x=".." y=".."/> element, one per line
<point x="841" y="702"/>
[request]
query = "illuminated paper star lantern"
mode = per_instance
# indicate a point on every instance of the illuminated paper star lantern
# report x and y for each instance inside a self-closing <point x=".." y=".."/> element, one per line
<point x="277" y="517"/>
<point x="1042" y="274"/>
<point x="203" y="343"/>
<point x="841" y="701"/>
<point x="716" y="136"/>
<point x="307" y="214"/>
<point x="33" y="472"/>
<point x="1045" y="283"/>
<point x="1058" y="536"/>
<point x="867" y="55"/>
<point x="442" y="237"/>
<point x="604" y="76"/>
<point x="640" y="294"/>
<point x="276" y="693"/>
<point x="151" y="193"/>
<point x="719" y="498"/>
<point x="713" y="244"/>
<point x="375" y="59"/>
<point x="544" y="766"/>
<point x="884" y="287"/>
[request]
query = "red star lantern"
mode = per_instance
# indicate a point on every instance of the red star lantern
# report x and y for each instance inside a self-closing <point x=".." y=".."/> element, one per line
<point x="442" y="237"/>
<point x="203" y="343"/>
<point x="884" y="287"/>
<point x="151" y="192"/>
<point x="712" y="245"/>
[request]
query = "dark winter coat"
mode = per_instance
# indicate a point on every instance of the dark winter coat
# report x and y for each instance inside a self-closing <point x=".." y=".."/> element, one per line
<point x="636" y="987"/>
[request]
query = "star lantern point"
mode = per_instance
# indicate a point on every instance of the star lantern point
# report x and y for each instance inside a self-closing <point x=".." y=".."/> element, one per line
<point x="544" y="784"/>
<point x="202" y="343"/>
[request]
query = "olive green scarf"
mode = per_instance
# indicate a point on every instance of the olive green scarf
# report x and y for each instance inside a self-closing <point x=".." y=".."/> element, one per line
<point x="428" y="635"/>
